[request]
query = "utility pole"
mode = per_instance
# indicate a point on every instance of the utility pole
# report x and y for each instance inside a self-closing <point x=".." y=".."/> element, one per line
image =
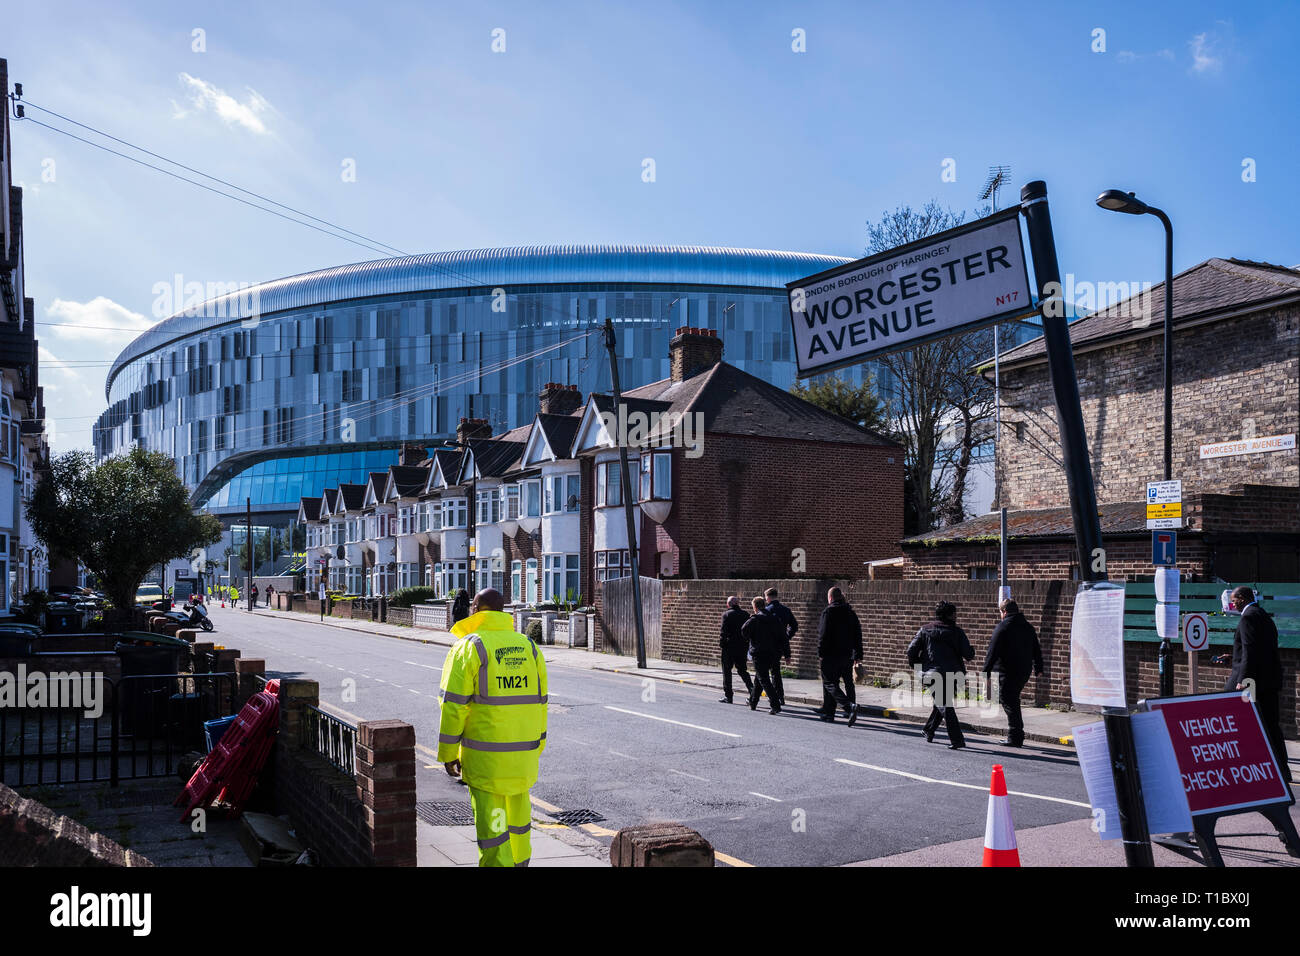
<point x="252" y="556"/>
<point x="625" y="482"/>
<point x="1083" y="503"/>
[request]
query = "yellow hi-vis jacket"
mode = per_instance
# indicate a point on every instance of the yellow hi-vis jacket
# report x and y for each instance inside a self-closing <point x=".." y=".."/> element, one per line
<point x="493" y="696"/>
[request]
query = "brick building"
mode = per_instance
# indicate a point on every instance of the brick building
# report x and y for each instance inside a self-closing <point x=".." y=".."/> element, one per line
<point x="729" y="475"/>
<point x="1236" y="414"/>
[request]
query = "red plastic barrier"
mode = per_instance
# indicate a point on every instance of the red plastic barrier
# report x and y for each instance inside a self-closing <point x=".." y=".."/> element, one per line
<point x="230" y="770"/>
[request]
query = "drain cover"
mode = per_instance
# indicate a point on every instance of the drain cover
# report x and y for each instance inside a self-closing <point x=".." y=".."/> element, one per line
<point x="575" y="818"/>
<point x="445" y="814"/>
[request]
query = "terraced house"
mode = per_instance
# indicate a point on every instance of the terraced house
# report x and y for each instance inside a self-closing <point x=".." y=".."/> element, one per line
<point x="729" y="476"/>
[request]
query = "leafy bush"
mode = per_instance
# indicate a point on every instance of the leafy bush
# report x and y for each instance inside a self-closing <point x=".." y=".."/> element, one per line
<point x="534" y="632"/>
<point x="405" y="597"/>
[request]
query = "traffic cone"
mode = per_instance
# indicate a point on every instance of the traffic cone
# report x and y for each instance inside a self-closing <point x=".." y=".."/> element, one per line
<point x="999" y="831"/>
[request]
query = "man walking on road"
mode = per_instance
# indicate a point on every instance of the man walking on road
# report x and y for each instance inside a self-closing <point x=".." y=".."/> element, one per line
<point x="493" y="726"/>
<point x="789" y="627"/>
<point x="1255" y="659"/>
<point x="1013" y="652"/>
<point x="734" y="648"/>
<point x="942" y="648"/>
<point x="839" y="645"/>
<point x="762" y="632"/>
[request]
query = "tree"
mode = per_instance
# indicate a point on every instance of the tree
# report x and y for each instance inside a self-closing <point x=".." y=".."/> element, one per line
<point x="858" y="403"/>
<point x="936" y="389"/>
<point x="120" y="518"/>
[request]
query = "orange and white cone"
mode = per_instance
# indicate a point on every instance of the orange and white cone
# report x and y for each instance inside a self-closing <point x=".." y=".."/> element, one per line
<point x="999" y="831"/>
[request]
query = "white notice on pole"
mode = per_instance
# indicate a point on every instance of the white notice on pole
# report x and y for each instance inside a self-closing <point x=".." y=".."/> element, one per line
<point x="1167" y="621"/>
<point x="1094" y="760"/>
<point x="1162" y="782"/>
<point x="1097" y="646"/>
<point x="1167" y="585"/>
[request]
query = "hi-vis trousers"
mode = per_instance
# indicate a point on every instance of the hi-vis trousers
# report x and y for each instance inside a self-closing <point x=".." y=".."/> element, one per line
<point x="501" y="824"/>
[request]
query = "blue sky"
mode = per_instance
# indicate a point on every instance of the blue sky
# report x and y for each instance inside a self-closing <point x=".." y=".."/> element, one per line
<point x="457" y="146"/>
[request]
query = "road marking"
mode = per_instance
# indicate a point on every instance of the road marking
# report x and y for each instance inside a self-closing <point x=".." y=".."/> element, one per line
<point x="636" y="713"/>
<point x="683" y="773"/>
<point x="953" y="783"/>
<point x="414" y="691"/>
<point x="548" y="807"/>
<point x="730" y="860"/>
<point x="618" y="753"/>
<point x="755" y="793"/>
<point x="418" y="664"/>
<point x="380" y="680"/>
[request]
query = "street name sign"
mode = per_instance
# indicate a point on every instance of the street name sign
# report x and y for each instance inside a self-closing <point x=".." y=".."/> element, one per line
<point x="953" y="281"/>
<point x="1249" y="446"/>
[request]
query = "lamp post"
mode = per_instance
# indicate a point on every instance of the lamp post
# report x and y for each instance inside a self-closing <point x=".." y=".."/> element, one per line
<point x="1117" y="200"/>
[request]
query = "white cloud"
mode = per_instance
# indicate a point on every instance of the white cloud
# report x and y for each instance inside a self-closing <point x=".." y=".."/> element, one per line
<point x="1205" y="55"/>
<point x="99" y="320"/>
<point x="206" y="96"/>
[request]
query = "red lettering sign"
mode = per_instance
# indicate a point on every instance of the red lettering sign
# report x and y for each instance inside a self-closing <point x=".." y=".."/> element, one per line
<point x="1223" y="753"/>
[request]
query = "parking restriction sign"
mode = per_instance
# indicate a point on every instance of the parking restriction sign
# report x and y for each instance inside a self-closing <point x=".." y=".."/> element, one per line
<point x="1196" y="631"/>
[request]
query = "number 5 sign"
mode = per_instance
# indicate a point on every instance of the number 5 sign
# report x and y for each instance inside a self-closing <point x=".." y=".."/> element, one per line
<point x="1196" y="632"/>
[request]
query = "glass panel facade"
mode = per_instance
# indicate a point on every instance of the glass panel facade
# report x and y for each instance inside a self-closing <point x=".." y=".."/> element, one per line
<point x="328" y="388"/>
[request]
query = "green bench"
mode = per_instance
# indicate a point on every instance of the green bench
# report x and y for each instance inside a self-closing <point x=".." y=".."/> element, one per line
<point x="1280" y="600"/>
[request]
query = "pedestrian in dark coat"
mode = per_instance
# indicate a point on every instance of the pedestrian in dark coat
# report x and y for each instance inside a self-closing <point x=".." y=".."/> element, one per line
<point x="839" y="645"/>
<point x="942" y="649"/>
<point x="789" y="626"/>
<point x="734" y="648"/>
<point x="254" y="595"/>
<point x="763" y="633"/>
<point x="1013" y="652"/>
<point x="1255" y="660"/>
<point x="460" y="606"/>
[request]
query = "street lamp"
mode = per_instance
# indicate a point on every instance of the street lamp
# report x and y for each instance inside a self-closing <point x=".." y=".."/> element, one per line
<point x="1117" y="200"/>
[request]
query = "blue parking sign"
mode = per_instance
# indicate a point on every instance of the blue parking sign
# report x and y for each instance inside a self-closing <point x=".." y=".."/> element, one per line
<point x="1164" y="548"/>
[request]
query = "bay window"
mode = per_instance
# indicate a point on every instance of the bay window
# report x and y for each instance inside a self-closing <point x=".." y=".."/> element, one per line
<point x="612" y="564"/>
<point x="455" y="513"/>
<point x="657" y="476"/>
<point x="530" y="499"/>
<point x="511" y="506"/>
<point x="609" y="490"/>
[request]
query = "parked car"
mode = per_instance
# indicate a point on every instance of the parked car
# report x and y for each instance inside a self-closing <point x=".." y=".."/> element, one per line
<point x="149" y="594"/>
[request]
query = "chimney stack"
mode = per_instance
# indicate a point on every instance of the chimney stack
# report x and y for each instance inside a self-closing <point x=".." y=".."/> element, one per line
<point x="557" y="399"/>
<point x="473" y="428"/>
<point x="693" y="351"/>
<point x="412" y="453"/>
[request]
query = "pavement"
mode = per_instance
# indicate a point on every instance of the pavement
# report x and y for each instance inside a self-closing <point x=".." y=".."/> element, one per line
<point x="640" y="746"/>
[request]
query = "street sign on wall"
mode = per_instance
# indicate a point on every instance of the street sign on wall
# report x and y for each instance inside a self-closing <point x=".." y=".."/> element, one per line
<point x="1165" y="504"/>
<point x="953" y="281"/>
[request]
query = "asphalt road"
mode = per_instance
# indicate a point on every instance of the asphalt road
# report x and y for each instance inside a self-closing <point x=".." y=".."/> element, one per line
<point x="765" y="790"/>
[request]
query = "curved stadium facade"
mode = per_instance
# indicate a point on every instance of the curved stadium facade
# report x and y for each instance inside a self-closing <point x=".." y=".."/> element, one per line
<point x="303" y="383"/>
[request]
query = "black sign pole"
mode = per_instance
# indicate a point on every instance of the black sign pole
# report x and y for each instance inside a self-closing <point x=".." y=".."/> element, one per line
<point x="1083" y="502"/>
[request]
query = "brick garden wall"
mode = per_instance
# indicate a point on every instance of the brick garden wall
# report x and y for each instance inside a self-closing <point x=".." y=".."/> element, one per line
<point x="1224" y="372"/>
<point x="1126" y="558"/>
<point x="892" y="611"/>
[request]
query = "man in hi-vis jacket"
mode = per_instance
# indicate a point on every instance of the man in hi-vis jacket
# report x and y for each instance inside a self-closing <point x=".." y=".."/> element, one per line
<point x="493" y="726"/>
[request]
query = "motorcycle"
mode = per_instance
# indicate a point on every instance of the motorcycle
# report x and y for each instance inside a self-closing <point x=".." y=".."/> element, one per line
<point x="193" y="615"/>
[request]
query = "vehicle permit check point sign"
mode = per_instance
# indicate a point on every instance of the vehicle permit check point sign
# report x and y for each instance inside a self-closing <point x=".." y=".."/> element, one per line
<point x="1226" y="765"/>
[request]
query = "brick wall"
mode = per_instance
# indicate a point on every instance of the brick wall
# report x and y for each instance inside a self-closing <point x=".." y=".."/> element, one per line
<point x="1224" y="372"/>
<point x="1126" y="558"/>
<point x="749" y="502"/>
<point x="891" y="612"/>
<point x="362" y="820"/>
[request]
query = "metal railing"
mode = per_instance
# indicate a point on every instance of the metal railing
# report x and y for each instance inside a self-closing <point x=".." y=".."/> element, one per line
<point x="332" y="738"/>
<point x="147" y="723"/>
